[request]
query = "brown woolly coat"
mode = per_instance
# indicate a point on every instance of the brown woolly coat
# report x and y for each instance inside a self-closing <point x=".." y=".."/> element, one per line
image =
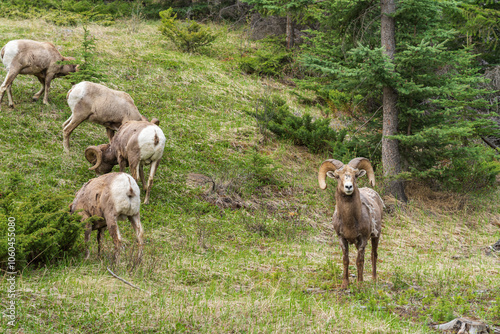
<point x="113" y="197"/>
<point x="40" y="59"/>
<point x="99" y="104"/>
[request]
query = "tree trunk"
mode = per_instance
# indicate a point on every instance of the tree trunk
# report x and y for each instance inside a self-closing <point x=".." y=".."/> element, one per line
<point x="289" y="31"/>
<point x="391" y="160"/>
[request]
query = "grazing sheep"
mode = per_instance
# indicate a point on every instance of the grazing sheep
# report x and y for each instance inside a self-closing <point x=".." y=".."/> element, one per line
<point x="40" y="59"/>
<point x="101" y="105"/>
<point x="358" y="213"/>
<point x="113" y="197"/>
<point x="136" y="143"/>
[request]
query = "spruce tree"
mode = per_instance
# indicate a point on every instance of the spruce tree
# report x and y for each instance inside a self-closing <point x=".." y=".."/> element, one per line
<point x="442" y="114"/>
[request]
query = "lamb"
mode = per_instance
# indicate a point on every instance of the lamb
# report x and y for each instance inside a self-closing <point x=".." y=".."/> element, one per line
<point x="101" y="105"/>
<point x="136" y="143"/>
<point x="40" y="59"/>
<point x="358" y="212"/>
<point x="113" y="197"/>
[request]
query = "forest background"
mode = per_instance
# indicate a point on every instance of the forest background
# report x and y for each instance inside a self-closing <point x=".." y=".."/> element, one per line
<point x="252" y="97"/>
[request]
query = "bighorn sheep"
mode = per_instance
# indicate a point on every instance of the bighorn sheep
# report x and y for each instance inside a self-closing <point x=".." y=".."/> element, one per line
<point x="136" y="143"/>
<point x="358" y="212"/>
<point x="40" y="59"/>
<point x="101" y="105"/>
<point x="113" y="197"/>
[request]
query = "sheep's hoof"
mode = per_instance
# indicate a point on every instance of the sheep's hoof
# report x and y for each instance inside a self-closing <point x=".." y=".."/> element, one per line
<point x="11" y="106"/>
<point x="34" y="99"/>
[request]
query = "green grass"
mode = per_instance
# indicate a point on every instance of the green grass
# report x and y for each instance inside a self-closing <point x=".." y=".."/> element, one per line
<point x="272" y="266"/>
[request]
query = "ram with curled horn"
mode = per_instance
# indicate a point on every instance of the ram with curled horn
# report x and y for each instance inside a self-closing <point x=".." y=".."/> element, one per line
<point x="136" y="143"/>
<point x="358" y="211"/>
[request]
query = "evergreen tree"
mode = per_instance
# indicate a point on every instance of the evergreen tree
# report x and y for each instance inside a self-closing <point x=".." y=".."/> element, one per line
<point x="291" y="9"/>
<point x="441" y="110"/>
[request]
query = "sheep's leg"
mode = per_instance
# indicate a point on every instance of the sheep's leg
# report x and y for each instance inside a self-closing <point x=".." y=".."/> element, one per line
<point x="141" y="175"/>
<point x="152" y="171"/>
<point x="134" y="168"/>
<point x="9" y="96"/>
<point x="112" y="225"/>
<point x="73" y="121"/>
<point x="374" y="258"/>
<point x="122" y="163"/>
<point x="345" y="259"/>
<point x="67" y="121"/>
<point x="48" y="80"/>
<point x="139" y="232"/>
<point x="37" y="95"/>
<point x="88" y="231"/>
<point x="110" y="133"/>
<point x="99" y="238"/>
<point x="360" y="260"/>
<point x="13" y="72"/>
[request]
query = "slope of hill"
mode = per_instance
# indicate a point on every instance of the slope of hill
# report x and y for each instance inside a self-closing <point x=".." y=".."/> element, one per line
<point x="258" y="253"/>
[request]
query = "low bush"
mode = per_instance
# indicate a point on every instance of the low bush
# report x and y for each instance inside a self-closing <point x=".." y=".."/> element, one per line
<point x="67" y="13"/>
<point x="267" y="62"/>
<point x="187" y="36"/>
<point x="88" y="69"/>
<point x="468" y="170"/>
<point x="39" y="227"/>
<point x="317" y="135"/>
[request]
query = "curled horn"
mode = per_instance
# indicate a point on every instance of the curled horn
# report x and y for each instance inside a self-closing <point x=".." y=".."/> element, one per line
<point x="93" y="155"/>
<point x="326" y="166"/>
<point x="363" y="163"/>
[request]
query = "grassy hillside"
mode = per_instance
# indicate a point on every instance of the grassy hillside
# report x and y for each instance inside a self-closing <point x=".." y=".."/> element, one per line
<point x="256" y="256"/>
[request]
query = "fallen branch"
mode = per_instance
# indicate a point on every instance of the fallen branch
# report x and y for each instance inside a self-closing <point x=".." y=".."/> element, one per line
<point x="126" y="282"/>
<point x="491" y="144"/>
<point x="466" y="326"/>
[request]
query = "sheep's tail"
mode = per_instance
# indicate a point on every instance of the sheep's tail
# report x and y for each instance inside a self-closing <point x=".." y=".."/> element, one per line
<point x="130" y="192"/>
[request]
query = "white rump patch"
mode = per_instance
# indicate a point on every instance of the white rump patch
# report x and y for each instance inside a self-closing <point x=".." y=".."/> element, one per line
<point x="77" y="93"/>
<point x="11" y="51"/>
<point x="125" y="194"/>
<point x="150" y="151"/>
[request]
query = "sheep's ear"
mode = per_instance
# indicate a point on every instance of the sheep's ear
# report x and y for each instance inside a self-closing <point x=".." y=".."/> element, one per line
<point x="361" y="173"/>
<point x="331" y="174"/>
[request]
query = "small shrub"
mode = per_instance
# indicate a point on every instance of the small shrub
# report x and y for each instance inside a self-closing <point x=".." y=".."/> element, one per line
<point x="88" y="70"/>
<point x="472" y="170"/>
<point x="68" y="13"/>
<point x="188" y="36"/>
<point x="44" y="229"/>
<point x="267" y="62"/>
<point x="258" y="171"/>
<point x="60" y="19"/>
<point x="316" y="135"/>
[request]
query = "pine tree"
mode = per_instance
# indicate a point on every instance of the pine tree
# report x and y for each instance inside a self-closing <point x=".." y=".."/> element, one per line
<point x="442" y="113"/>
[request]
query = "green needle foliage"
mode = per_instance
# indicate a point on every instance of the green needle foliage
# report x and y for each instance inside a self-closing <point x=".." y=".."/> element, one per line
<point x="88" y="70"/>
<point x="45" y="231"/>
<point x="442" y="112"/>
<point x="188" y="36"/>
<point x="316" y="135"/>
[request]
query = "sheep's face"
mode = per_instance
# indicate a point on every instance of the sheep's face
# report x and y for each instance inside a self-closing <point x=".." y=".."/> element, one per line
<point x="103" y="164"/>
<point x="346" y="178"/>
<point x="67" y="68"/>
